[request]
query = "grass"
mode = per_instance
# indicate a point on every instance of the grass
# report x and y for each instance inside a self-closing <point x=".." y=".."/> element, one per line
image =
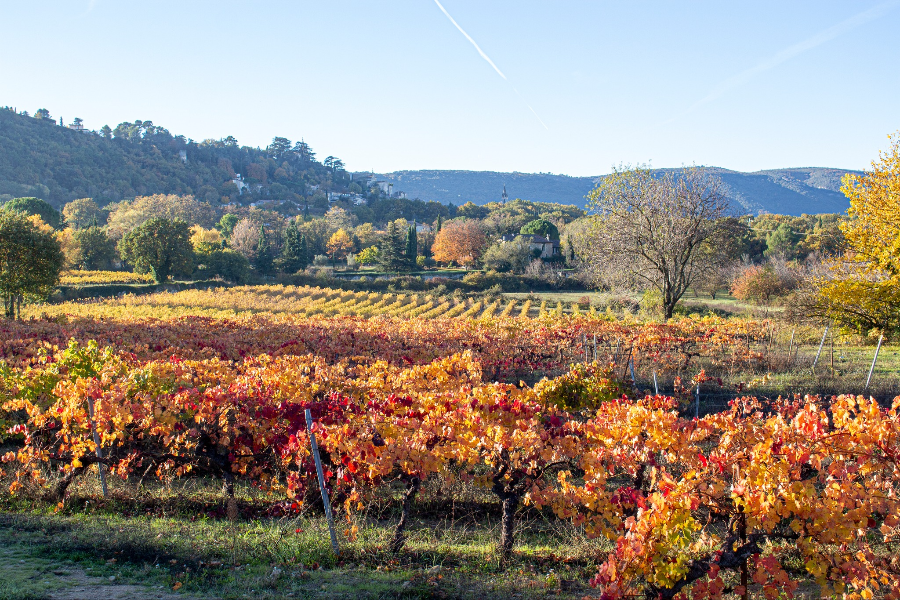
<point x="177" y="538"/>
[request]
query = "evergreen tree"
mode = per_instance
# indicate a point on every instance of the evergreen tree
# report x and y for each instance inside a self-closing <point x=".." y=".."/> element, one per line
<point x="439" y="224"/>
<point x="293" y="255"/>
<point x="304" y="251"/>
<point x="393" y="249"/>
<point x="264" y="258"/>
<point x="412" y="249"/>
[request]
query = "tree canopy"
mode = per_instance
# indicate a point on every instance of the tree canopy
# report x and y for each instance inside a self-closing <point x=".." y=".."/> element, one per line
<point x="461" y="242"/>
<point x="862" y="288"/>
<point x="159" y="247"/>
<point x="650" y="231"/>
<point x="31" y="260"/>
<point x="35" y="206"/>
<point x="541" y="227"/>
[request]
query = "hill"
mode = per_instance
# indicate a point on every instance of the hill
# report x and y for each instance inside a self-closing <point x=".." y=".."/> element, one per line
<point x="39" y="157"/>
<point x="781" y="191"/>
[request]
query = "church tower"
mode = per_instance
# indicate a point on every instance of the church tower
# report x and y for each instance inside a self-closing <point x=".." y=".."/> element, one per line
<point x="504" y="197"/>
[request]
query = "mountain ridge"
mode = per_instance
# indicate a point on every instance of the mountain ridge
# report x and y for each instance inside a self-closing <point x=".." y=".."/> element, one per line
<point x="792" y="191"/>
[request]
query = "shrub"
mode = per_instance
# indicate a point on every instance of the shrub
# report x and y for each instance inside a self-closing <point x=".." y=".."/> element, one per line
<point x="763" y="284"/>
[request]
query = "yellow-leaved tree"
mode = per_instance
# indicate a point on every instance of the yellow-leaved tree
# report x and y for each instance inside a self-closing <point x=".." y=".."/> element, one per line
<point x="339" y="244"/>
<point x="862" y="289"/>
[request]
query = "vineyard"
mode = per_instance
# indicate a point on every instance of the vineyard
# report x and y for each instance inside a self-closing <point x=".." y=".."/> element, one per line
<point x="103" y="277"/>
<point x="532" y="414"/>
<point x="307" y="301"/>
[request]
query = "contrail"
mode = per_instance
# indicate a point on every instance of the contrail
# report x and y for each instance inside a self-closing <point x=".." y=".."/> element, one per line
<point x="790" y="52"/>
<point x="489" y="61"/>
<point x="469" y="37"/>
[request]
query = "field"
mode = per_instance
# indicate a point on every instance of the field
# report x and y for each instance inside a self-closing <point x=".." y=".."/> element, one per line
<point x="471" y="447"/>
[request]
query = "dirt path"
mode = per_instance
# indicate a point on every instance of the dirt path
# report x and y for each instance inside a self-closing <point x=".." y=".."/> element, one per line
<point x="26" y="575"/>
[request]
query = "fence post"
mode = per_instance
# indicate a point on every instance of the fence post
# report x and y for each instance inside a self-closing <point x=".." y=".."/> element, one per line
<point x="872" y="368"/>
<point x="325" y="500"/>
<point x="595" y="347"/>
<point x="791" y="345"/>
<point x="98" y="451"/>
<point x="822" y="343"/>
<point x="655" y="385"/>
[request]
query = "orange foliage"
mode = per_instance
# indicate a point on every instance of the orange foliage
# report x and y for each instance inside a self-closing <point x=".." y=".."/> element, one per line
<point x="461" y="242"/>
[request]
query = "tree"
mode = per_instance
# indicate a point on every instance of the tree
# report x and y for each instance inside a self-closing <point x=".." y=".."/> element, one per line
<point x="393" y="249"/>
<point x="338" y="218"/>
<point x="650" y="230"/>
<point x="244" y="238"/>
<point x="541" y="227"/>
<point x="35" y="206"/>
<point x="106" y="132"/>
<point x="265" y="254"/>
<point x="30" y="261"/>
<point x="782" y="243"/>
<point x="757" y="284"/>
<point x="82" y="213"/>
<point x="412" y="250"/>
<point x="206" y="240"/>
<point x="279" y="147"/>
<point x="226" y="224"/>
<point x="508" y="256"/>
<point x="227" y="264"/>
<point x="95" y="250"/>
<point x="339" y="244"/>
<point x="159" y="247"/>
<point x="461" y="242"/>
<point x="862" y="289"/>
<point x="366" y="235"/>
<point x="129" y="214"/>
<point x="294" y="255"/>
<point x="369" y="256"/>
<point x="42" y="114"/>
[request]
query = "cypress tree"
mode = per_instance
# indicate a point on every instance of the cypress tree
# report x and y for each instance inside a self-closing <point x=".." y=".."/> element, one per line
<point x="412" y="243"/>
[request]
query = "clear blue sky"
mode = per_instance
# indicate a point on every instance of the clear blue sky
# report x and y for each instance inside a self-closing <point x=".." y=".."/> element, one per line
<point x="394" y="84"/>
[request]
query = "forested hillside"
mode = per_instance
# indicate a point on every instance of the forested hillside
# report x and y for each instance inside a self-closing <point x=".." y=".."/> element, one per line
<point x="781" y="191"/>
<point x="41" y="158"/>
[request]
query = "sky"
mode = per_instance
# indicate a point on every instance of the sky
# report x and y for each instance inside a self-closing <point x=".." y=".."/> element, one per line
<point x="554" y="86"/>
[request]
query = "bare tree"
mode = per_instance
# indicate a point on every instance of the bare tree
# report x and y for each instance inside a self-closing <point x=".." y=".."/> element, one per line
<point x="655" y="230"/>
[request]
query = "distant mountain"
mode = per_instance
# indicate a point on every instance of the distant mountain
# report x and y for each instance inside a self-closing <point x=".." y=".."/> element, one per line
<point x="783" y="191"/>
